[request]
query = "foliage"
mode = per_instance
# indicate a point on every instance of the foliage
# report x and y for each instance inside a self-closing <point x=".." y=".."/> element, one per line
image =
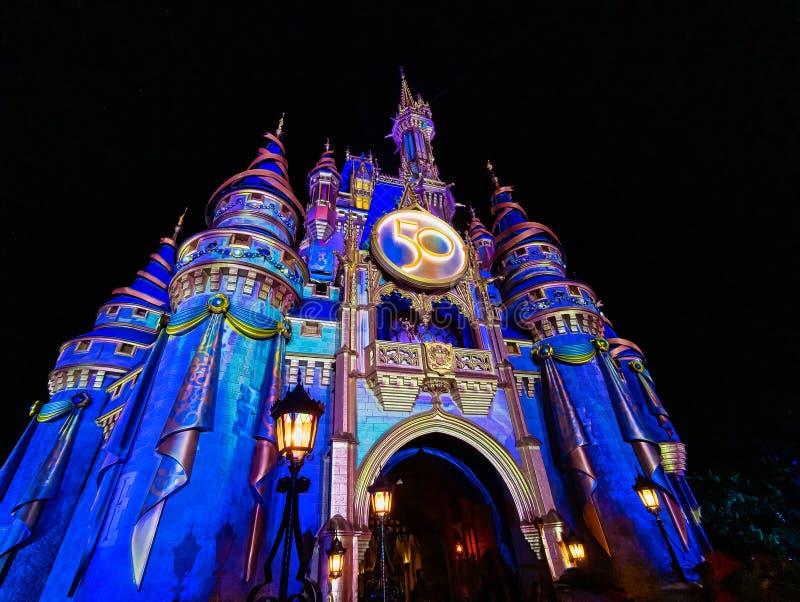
<point x="752" y="514"/>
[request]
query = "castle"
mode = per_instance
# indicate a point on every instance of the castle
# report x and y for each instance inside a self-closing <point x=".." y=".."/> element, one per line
<point x="466" y="368"/>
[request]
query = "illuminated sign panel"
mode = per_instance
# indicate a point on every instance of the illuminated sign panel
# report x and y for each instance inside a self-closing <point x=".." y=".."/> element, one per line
<point x="419" y="249"/>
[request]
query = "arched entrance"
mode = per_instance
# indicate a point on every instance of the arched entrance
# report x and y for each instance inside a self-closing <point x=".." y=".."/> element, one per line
<point x="455" y="531"/>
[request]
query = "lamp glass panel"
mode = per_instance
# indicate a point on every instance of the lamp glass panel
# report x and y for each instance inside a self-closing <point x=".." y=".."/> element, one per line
<point x="381" y="502"/>
<point x="577" y="551"/>
<point x="335" y="565"/>
<point x="649" y="498"/>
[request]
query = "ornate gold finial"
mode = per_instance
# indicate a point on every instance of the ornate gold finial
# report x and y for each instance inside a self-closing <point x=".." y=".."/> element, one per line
<point x="279" y="131"/>
<point x="472" y="212"/>
<point x="179" y="225"/>
<point x="491" y="175"/>
<point x="35" y="407"/>
<point x="327" y="144"/>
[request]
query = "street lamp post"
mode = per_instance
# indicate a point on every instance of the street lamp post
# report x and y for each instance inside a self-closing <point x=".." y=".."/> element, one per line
<point x="649" y="496"/>
<point x="296" y="419"/>
<point x="381" y="495"/>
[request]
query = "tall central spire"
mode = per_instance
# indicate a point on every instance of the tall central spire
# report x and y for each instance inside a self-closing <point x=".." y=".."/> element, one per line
<point x="412" y="133"/>
<point x="406" y="98"/>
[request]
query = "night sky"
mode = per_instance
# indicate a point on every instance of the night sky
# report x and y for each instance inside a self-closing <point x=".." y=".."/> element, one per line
<point x="660" y="144"/>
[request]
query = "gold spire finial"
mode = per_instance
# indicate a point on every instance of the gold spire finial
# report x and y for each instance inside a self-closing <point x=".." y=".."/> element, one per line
<point x="492" y="176"/>
<point x="179" y="225"/>
<point x="279" y="131"/>
<point x="472" y="212"/>
<point x="327" y="144"/>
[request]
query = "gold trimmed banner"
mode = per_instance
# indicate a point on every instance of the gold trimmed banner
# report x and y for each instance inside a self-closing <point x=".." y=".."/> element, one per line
<point x="245" y="322"/>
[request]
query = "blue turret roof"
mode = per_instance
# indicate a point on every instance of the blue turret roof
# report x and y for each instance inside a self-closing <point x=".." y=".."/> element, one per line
<point x="151" y="284"/>
<point x="269" y="171"/>
<point x="326" y="163"/>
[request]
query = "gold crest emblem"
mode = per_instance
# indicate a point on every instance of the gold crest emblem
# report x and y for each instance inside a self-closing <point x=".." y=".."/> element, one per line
<point x="439" y="357"/>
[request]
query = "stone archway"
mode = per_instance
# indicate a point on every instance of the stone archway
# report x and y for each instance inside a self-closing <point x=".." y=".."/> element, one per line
<point x="528" y="506"/>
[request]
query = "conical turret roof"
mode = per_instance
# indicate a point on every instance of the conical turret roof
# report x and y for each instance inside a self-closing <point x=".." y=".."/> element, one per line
<point x="269" y="171"/>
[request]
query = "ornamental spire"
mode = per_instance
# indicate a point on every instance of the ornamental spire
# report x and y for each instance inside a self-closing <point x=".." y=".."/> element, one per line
<point x="406" y="98"/>
<point x="494" y="178"/>
<point x="279" y="131"/>
<point x="179" y="225"/>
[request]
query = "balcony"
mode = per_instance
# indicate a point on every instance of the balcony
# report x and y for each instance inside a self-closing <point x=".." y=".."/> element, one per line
<point x="397" y="372"/>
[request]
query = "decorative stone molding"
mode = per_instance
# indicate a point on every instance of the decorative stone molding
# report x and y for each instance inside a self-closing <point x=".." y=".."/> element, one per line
<point x="533" y="535"/>
<point x="398" y="371"/>
<point x="673" y="456"/>
<point x="108" y="421"/>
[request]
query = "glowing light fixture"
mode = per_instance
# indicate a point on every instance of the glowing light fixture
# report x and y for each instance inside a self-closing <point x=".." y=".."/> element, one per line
<point x="296" y="419"/>
<point x="649" y="496"/>
<point x="380" y="493"/>
<point x="335" y="558"/>
<point x="574" y="547"/>
<point x="647" y="493"/>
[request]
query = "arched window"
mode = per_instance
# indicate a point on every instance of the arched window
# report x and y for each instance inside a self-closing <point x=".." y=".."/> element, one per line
<point x="408" y="143"/>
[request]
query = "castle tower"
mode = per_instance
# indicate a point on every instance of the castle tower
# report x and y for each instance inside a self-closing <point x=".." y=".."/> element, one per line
<point x="185" y="475"/>
<point x="323" y="189"/>
<point x="318" y="246"/>
<point x="597" y="405"/>
<point x="412" y="132"/>
<point x="482" y="240"/>
<point x="41" y="481"/>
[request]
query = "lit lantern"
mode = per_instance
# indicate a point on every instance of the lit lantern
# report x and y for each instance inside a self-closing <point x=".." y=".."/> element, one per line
<point x="335" y="558"/>
<point x="380" y="493"/>
<point x="647" y="493"/>
<point x="296" y="419"/>
<point x="459" y="549"/>
<point x="574" y="547"/>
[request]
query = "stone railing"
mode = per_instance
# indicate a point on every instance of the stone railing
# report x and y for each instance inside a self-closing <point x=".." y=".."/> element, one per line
<point x="397" y="372"/>
<point x="386" y="353"/>
<point x="474" y="360"/>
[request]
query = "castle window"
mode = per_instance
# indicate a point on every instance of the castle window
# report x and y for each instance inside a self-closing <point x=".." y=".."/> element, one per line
<point x="537" y="293"/>
<point x="513" y="348"/>
<point x="408" y="144"/>
<point x="362" y="189"/>
<point x="83" y="346"/>
<point x="125" y="349"/>
<point x="320" y="289"/>
<point x="520" y="252"/>
<point x="241" y="240"/>
<point x="113" y="310"/>
<point x="311" y="329"/>
<point x="140" y="313"/>
<point x="574" y="290"/>
<point x="545" y="249"/>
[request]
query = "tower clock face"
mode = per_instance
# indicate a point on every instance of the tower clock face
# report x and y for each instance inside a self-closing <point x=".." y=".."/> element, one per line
<point x="419" y="249"/>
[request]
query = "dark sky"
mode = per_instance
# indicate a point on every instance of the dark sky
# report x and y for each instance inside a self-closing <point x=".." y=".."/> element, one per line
<point x="659" y="143"/>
